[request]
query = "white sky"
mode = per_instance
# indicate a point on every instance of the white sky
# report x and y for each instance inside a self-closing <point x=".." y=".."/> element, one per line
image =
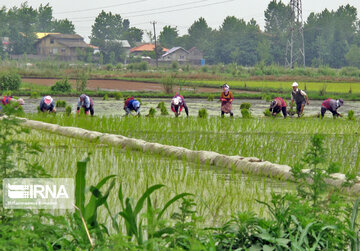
<point x="179" y="13"/>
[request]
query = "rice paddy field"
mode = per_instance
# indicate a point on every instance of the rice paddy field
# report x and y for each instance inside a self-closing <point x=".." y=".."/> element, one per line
<point x="218" y="193"/>
<point x="275" y="140"/>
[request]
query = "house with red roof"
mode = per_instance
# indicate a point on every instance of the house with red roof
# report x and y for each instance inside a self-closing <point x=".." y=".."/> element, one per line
<point x="144" y="48"/>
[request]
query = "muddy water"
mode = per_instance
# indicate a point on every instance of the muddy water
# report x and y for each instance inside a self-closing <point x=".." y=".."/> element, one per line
<point x="115" y="107"/>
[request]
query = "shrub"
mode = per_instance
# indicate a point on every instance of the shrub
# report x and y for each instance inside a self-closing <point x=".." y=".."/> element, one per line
<point x="109" y="67"/>
<point x="203" y="113"/>
<point x="34" y="95"/>
<point x="245" y="113"/>
<point x="7" y="93"/>
<point x="152" y="112"/>
<point x="61" y="103"/>
<point x="118" y="95"/>
<point x="118" y="66"/>
<point x="168" y="84"/>
<point x="351" y="115"/>
<point x="204" y="69"/>
<point x="174" y="66"/>
<point x="10" y="81"/>
<point x="81" y="81"/>
<point x="210" y="97"/>
<point x="68" y="110"/>
<point x="245" y="106"/>
<point x="106" y="97"/>
<point x="62" y="86"/>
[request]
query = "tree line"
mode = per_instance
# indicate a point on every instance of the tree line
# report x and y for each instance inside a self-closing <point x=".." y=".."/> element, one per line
<point x="332" y="38"/>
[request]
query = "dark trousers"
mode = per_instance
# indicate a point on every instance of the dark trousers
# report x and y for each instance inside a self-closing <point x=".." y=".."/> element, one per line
<point x="223" y="114"/>
<point x="91" y="109"/>
<point x="323" y="110"/>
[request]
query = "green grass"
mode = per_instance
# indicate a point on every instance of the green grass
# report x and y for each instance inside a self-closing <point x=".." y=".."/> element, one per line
<point x="276" y="140"/>
<point x="219" y="193"/>
<point x="284" y="86"/>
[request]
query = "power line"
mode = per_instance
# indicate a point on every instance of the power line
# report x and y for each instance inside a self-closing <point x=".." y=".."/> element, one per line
<point x="98" y="8"/>
<point x="169" y="11"/>
<point x="161" y="8"/>
<point x="188" y="8"/>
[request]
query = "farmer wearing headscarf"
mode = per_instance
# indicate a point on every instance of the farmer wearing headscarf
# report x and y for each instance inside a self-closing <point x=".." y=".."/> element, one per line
<point x="177" y="104"/>
<point x="47" y="104"/>
<point x="331" y="105"/>
<point x="86" y="103"/>
<point x="277" y="105"/>
<point x="226" y="101"/>
<point x="131" y="104"/>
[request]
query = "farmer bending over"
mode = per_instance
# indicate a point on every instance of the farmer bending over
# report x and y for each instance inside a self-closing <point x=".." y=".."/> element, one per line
<point x="131" y="104"/>
<point x="177" y="104"/>
<point x="226" y="101"/>
<point x="47" y="104"/>
<point x="300" y="98"/>
<point x="86" y="103"/>
<point x="7" y="99"/>
<point x="277" y="105"/>
<point x="331" y="105"/>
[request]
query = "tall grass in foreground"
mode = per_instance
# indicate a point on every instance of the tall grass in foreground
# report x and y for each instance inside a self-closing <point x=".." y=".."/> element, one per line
<point x="219" y="192"/>
<point x="278" y="141"/>
<point x="316" y="217"/>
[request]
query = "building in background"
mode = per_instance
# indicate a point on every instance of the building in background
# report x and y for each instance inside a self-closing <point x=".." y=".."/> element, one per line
<point x="145" y="48"/>
<point x="63" y="46"/>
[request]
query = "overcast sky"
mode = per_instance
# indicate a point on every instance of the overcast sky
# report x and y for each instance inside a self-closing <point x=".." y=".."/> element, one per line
<point x="179" y="13"/>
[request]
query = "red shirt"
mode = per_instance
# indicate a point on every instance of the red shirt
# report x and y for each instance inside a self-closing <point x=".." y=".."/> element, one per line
<point x="281" y="102"/>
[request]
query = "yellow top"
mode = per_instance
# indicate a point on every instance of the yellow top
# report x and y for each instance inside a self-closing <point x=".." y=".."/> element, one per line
<point x="40" y="35"/>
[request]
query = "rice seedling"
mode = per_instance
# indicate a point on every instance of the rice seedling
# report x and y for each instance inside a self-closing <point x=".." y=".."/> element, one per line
<point x="60" y="103"/>
<point x="249" y="138"/>
<point x="203" y="113"/>
<point x="219" y="193"/>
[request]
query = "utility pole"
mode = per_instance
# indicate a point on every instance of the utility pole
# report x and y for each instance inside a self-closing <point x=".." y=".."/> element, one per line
<point x="156" y="55"/>
<point x="295" y="47"/>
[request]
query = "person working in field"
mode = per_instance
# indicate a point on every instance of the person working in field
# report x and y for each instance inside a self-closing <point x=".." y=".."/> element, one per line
<point x="300" y="98"/>
<point x="131" y="104"/>
<point x="331" y="105"/>
<point x="177" y="104"/>
<point x="47" y="104"/>
<point x="277" y="105"/>
<point x="86" y="103"/>
<point x="226" y="101"/>
<point x="5" y="100"/>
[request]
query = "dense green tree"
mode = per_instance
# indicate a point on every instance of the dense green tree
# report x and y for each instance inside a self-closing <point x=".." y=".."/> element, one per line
<point x="353" y="56"/>
<point x="277" y="21"/>
<point x="238" y="42"/>
<point x="169" y="37"/>
<point x="107" y="26"/>
<point x="63" y="26"/>
<point x="44" y="19"/>
<point x="199" y="32"/>
<point x="22" y="22"/>
<point x="133" y="35"/>
<point x="329" y="35"/>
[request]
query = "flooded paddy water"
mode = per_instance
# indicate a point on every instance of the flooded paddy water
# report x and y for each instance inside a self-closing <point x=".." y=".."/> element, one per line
<point x="115" y="107"/>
